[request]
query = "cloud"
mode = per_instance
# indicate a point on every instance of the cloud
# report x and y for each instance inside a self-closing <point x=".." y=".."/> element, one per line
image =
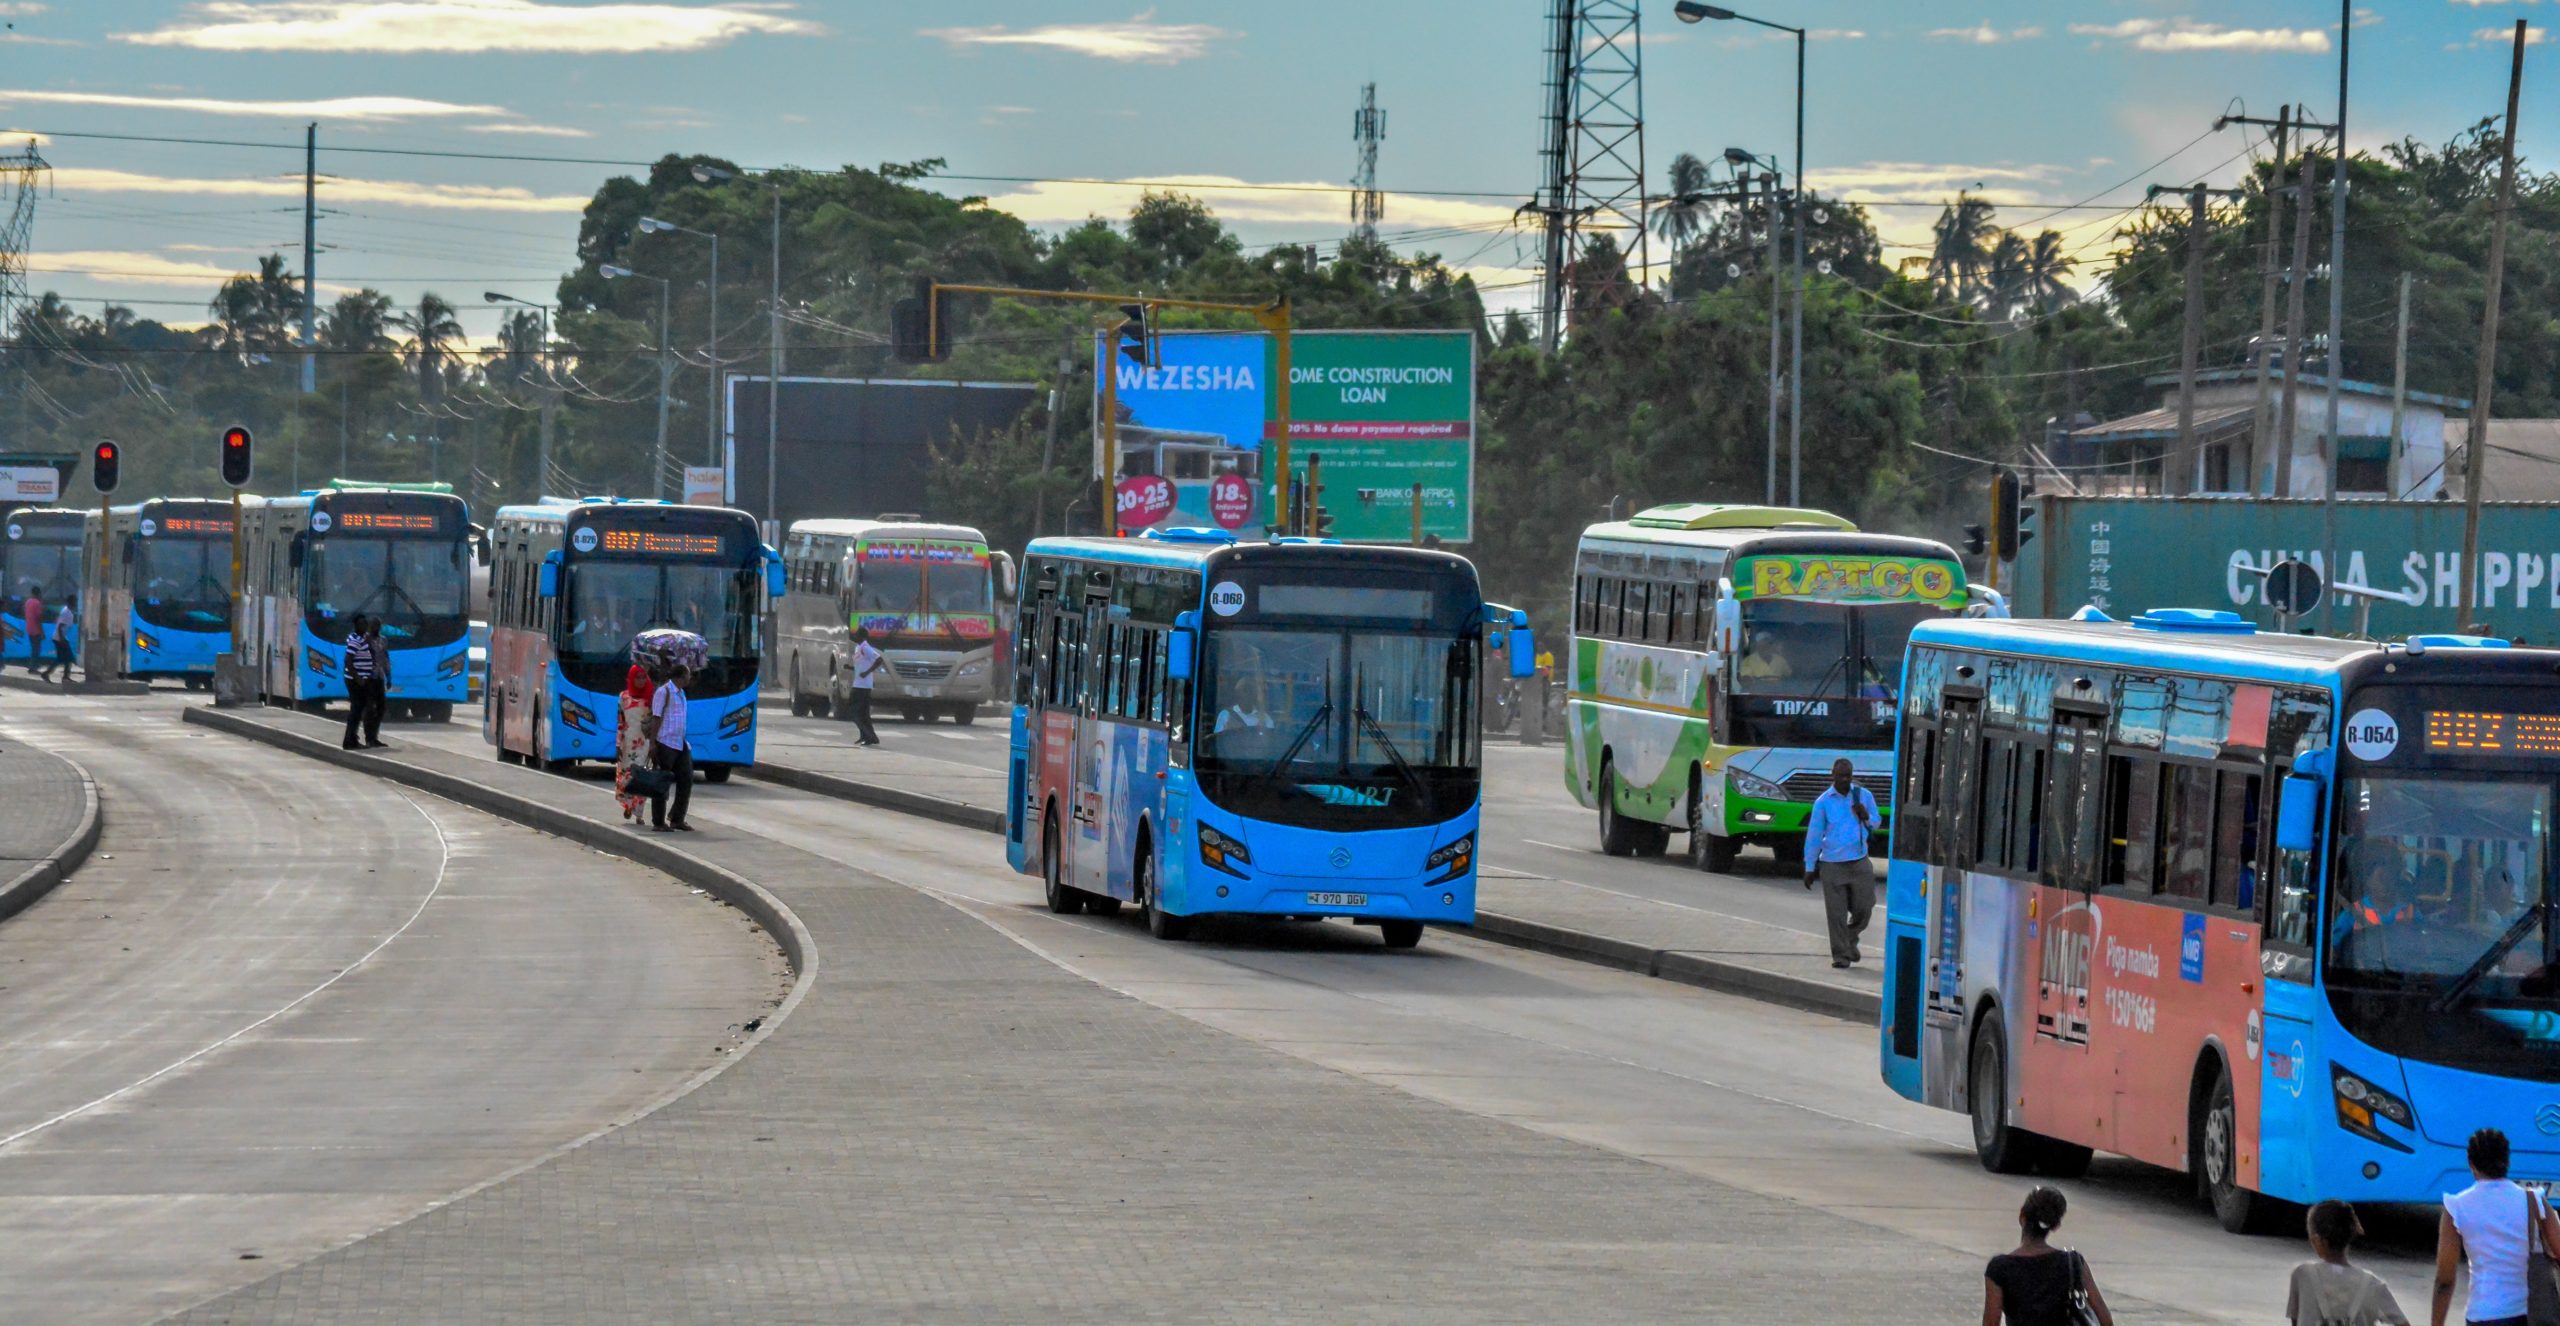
<point x="2184" y="34"/>
<point x="1319" y="204"/>
<point x="2507" y="36"/>
<point x="1141" y="40"/>
<point x="405" y="27"/>
<point x="1921" y="181"/>
<point x="334" y="108"/>
<point x="19" y="8"/>
<point x="124" y="267"/>
<point x="1982" y="34"/>
<point x="13" y="138"/>
<point x="394" y="193"/>
<point x="2481" y="4"/>
<point x="1838" y="34"/>
<point x="528" y="130"/>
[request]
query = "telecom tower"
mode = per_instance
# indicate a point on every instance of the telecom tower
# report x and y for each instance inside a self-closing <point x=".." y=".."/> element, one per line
<point x="1593" y="143"/>
<point x="23" y="170"/>
<point x="1368" y="128"/>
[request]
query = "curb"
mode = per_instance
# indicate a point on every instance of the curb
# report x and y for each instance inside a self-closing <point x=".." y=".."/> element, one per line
<point x="1681" y="966"/>
<point x="886" y="798"/>
<point x="38" y="880"/>
<point x="729" y="887"/>
<point x="27" y="682"/>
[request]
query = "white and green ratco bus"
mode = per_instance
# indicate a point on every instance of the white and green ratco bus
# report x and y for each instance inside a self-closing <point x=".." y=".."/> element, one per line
<point x="1724" y="656"/>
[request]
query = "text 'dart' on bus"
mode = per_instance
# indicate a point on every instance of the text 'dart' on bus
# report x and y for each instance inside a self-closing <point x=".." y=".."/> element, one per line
<point x="571" y="583"/>
<point x="313" y="563"/>
<point x="1286" y="728"/>
<point x="2274" y="910"/>
<point x="1725" y="656"/>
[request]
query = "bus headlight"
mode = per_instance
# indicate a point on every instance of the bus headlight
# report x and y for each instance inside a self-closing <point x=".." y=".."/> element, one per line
<point x="451" y="667"/>
<point x="2361" y="1102"/>
<point x="575" y="716"/>
<point x="1220" y="852"/>
<point x="1753" y="785"/>
<point x="975" y="667"/>
<point x="318" y="662"/>
<point x="735" y="723"/>
<point x="1452" y="860"/>
<point x="146" y="642"/>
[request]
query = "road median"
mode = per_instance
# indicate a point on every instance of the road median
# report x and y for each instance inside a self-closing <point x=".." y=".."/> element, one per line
<point x="53" y="823"/>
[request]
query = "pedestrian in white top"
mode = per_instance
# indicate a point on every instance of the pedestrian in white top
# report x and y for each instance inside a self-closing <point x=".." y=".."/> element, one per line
<point x="1836" y="837"/>
<point x="2487" y="1225"/>
<point x="866" y="667"/>
<point x="673" y="755"/>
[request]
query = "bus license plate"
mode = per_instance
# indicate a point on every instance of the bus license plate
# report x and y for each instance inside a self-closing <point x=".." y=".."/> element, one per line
<point x="1337" y="900"/>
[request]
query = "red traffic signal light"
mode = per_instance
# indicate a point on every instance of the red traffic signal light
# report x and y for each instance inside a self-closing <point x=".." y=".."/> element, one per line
<point x="106" y="467"/>
<point x="238" y="456"/>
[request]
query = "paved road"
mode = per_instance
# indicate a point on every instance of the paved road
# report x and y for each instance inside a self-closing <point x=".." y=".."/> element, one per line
<point x="281" y="1008"/>
<point x="1734" y="1107"/>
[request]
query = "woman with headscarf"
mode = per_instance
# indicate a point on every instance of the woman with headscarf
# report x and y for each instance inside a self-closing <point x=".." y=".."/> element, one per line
<point x="631" y="745"/>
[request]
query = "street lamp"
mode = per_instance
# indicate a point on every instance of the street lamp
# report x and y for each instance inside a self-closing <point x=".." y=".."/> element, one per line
<point x="1690" y="11"/>
<point x="550" y="388"/>
<point x="666" y="369"/>
<point x="1741" y="161"/>
<point x="709" y="174"/>
<point x="650" y="225"/>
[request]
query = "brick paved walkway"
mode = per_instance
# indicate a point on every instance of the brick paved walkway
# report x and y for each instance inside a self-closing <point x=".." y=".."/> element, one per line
<point x="951" y="1129"/>
<point x="40" y="805"/>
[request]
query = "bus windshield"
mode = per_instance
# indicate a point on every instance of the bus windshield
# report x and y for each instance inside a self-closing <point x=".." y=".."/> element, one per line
<point x="2440" y="935"/>
<point x="611" y="601"/>
<point x="1339" y="726"/>
<point x="414" y="586"/>
<point x="53" y="568"/>
<point x="182" y="584"/>
<point x="960" y="588"/>
<point x="1821" y="674"/>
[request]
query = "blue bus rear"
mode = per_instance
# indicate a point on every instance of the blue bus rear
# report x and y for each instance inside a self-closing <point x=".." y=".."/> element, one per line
<point x="40" y="551"/>
<point x="1286" y="729"/>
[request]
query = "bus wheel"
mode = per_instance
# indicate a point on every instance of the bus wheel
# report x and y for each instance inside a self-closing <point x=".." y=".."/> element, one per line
<point x="1400" y="934"/>
<point x="1053" y="868"/>
<point x="2003" y="1149"/>
<point x="440" y="711"/>
<point x="716" y="773"/>
<point x="799" y="698"/>
<point x="199" y="683"/>
<point x="2216" y="1165"/>
<point x="1707" y="850"/>
<point x="1160" y="923"/>
<point x="1617" y="836"/>
<point x="911" y="713"/>
<point x="839" y="703"/>
<point x="964" y="714"/>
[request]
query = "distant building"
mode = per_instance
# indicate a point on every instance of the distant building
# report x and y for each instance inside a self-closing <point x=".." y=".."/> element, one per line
<point x="2130" y="455"/>
<point x="2524" y="460"/>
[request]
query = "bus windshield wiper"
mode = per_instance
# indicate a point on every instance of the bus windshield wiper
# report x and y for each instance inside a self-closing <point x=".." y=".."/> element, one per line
<point x="1378" y="734"/>
<point x="1323" y="713"/>
<point x="2488" y="961"/>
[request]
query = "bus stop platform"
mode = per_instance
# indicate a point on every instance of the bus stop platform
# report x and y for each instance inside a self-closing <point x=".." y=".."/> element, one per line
<point x="15" y="679"/>
<point x="50" y="825"/>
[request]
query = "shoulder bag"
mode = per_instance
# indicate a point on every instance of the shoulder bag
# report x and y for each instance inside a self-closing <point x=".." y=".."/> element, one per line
<point x="2081" y="1314"/>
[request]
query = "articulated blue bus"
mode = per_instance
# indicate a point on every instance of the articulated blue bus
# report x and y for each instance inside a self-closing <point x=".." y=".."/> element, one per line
<point x="165" y="595"/>
<point x="41" y="551"/>
<point x="2275" y="910"/>
<point x="571" y="583"/>
<point x="315" y="562"/>
<point x="1285" y="729"/>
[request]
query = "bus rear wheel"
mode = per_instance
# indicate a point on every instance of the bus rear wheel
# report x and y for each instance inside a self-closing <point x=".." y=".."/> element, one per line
<point x="964" y="714"/>
<point x="1617" y="836"/>
<point x="1400" y="934"/>
<point x="800" y="705"/>
<point x="439" y="711"/>
<point x="1053" y="869"/>
<point x="2002" y="1149"/>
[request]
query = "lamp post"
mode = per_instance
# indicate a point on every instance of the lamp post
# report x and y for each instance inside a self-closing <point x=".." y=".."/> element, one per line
<point x="1738" y="159"/>
<point x="658" y="462"/>
<point x="550" y="388"/>
<point x="707" y="174"/>
<point x="1690" y="11"/>
<point x="650" y="225"/>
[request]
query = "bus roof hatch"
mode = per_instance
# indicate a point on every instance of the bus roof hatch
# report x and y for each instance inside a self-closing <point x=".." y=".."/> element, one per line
<point x="2198" y="621"/>
<point x="1712" y="515"/>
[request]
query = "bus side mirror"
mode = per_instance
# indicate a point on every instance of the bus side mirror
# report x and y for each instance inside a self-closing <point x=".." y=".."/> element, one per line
<point x="480" y="548"/>
<point x="1728" y="620"/>
<point x="1524" y="649"/>
<point x="293" y="555"/>
<point x="2298" y="815"/>
<point x="774" y="582"/>
<point x="548" y="586"/>
<point x="1008" y="584"/>
<point x="1178" y="646"/>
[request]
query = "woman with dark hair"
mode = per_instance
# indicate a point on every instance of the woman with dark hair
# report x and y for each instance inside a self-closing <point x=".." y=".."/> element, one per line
<point x="2038" y="1284"/>
<point x="2491" y="1225"/>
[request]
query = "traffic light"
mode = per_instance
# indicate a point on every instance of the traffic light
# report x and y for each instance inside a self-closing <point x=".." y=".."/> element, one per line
<point x="237" y="458"/>
<point x="1975" y="540"/>
<point x="1322" y="525"/>
<point x="920" y="327"/>
<point x="1136" y="339"/>
<point x="106" y="467"/>
<point x="2006" y="493"/>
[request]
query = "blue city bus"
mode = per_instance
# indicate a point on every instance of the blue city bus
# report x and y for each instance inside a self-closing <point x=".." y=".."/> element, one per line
<point x="2275" y="910"/>
<point x="41" y="550"/>
<point x="570" y="584"/>
<point x="314" y="562"/>
<point x="1289" y="728"/>
<point x="164" y="596"/>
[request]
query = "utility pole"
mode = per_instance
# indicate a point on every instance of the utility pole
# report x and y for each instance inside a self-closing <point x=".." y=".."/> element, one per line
<point x="2264" y="418"/>
<point x="2182" y="468"/>
<point x="2297" y="275"/>
<point x="1795" y="358"/>
<point x="666" y="384"/>
<point x="2484" y="376"/>
<point x="310" y="246"/>
<point x="2399" y="389"/>
<point x="773" y="382"/>
<point x="2337" y="321"/>
<point x="1049" y="448"/>
<point x="1770" y="178"/>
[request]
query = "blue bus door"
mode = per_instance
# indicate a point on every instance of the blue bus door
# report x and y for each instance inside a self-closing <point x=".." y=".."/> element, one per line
<point x="1088" y="852"/>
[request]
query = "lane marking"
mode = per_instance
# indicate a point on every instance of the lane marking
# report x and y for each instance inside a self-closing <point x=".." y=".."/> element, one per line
<point x="444" y="862"/>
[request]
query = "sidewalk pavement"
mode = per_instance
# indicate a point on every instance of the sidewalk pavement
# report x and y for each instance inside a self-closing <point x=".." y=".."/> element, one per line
<point x="48" y="821"/>
<point x="1682" y="943"/>
<point x="947" y="1127"/>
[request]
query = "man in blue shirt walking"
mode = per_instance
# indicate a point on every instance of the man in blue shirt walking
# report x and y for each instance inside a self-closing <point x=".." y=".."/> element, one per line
<point x="1835" y="853"/>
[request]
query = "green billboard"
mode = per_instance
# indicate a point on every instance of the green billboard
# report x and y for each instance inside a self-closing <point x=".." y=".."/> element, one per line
<point x="1388" y="411"/>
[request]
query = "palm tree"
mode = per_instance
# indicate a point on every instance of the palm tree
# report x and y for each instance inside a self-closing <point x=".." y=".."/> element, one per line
<point x="2004" y="277"/>
<point x="1683" y="215"/>
<point x="358" y="323"/>
<point x="432" y="328"/>
<point x="1960" y="248"/>
<point x="519" y="347"/>
<point x="2041" y="272"/>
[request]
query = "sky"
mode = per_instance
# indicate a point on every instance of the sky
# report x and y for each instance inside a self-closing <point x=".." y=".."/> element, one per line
<point x="2060" y="111"/>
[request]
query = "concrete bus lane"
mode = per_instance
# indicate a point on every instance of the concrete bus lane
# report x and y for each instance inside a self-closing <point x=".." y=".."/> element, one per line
<point x="281" y="1007"/>
<point x="1777" y="1103"/>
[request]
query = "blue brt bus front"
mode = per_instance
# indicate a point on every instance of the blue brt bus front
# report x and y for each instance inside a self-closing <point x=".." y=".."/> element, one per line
<point x="179" y="569"/>
<point x="399" y="558"/>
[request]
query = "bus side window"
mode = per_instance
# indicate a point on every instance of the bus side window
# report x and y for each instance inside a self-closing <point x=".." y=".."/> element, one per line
<point x="1915" y="813"/>
<point x="2026" y="844"/>
<point x="2186" y="833"/>
<point x="2235" y="840"/>
<point x="2075" y="780"/>
<point x="1959" y="744"/>
<point x="1996" y="812"/>
<point x="2132" y="817"/>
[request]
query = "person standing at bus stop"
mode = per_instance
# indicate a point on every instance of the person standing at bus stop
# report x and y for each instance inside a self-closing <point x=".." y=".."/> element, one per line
<point x="2493" y="1225"/>
<point x="66" y="626"/>
<point x="31" y="616"/>
<point x="364" y="685"/>
<point x="671" y="752"/>
<point x="866" y="662"/>
<point x="1836" y="842"/>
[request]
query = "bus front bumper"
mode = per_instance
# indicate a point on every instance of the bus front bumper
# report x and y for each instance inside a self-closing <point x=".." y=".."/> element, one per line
<point x="1212" y="892"/>
<point x="1747" y="817"/>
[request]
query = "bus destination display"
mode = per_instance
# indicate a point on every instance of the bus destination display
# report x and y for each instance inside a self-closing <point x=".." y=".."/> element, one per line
<point x="660" y="543"/>
<point x="195" y="525"/>
<point x="388" y="522"/>
<point x="2473" y="731"/>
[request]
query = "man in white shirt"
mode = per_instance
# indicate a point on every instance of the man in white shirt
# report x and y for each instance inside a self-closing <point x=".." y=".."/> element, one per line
<point x="866" y="666"/>
<point x="674" y="755"/>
